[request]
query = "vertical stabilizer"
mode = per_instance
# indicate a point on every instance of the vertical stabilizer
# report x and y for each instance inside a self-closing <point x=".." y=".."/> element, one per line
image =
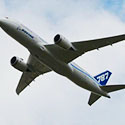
<point x="103" y="78"/>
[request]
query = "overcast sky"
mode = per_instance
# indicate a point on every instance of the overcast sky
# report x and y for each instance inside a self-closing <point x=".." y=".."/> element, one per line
<point x="53" y="99"/>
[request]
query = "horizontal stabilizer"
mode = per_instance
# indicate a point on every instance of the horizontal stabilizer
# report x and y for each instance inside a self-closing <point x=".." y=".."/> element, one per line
<point x="93" y="98"/>
<point x="112" y="88"/>
<point x="108" y="88"/>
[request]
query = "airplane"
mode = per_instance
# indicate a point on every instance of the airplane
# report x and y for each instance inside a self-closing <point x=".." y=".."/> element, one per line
<point x="58" y="57"/>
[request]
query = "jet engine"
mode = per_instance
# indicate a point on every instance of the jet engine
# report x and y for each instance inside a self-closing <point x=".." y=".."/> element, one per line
<point x="19" y="64"/>
<point x="63" y="42"/>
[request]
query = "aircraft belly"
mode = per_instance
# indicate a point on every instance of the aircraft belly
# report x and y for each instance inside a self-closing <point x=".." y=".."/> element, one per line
<point x="84" y="81"/>
<point x="68" y="71"/>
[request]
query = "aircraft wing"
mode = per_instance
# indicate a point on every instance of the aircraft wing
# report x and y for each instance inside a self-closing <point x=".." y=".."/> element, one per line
<point x="27" y="77"/>
<point x="82" y="47"/>
<point x="85" y="46"/>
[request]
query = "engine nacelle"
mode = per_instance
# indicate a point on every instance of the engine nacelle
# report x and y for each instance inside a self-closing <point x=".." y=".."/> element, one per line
<point x="19" y="64"/>
<point x="63" y="42"/>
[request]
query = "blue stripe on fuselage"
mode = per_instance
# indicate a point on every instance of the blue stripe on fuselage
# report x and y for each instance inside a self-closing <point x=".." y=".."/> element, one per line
<point x="27" y="33"/>
<point x="84" y="73"/>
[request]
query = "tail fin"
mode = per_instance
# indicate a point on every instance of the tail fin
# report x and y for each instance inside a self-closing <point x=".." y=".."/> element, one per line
<point x="108" y="88"/>
<point x="103" y="78"/>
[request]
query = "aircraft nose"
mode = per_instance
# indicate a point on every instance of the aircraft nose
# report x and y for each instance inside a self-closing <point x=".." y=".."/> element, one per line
<point x="7" y="24"/>
<point x="2" y="22"/>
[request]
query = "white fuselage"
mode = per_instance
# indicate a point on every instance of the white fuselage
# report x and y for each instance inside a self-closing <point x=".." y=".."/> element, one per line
<point x="36" y="47"/>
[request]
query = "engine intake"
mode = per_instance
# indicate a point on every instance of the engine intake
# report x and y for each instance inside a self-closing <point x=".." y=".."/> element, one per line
<point x="63" y="42"/>
<point x="19" y="64"/>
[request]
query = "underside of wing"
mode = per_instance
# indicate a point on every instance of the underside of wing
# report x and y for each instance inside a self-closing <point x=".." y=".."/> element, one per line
<point x="82" y="47"/>
<point x="26" y="79"/>
<point x="64" y="55"/>
<point x="85" y="46"/>
<point x="37" y="68"/>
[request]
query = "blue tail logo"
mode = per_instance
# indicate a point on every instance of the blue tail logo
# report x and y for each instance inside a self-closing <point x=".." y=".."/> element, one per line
<point x="103" y="78"/>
